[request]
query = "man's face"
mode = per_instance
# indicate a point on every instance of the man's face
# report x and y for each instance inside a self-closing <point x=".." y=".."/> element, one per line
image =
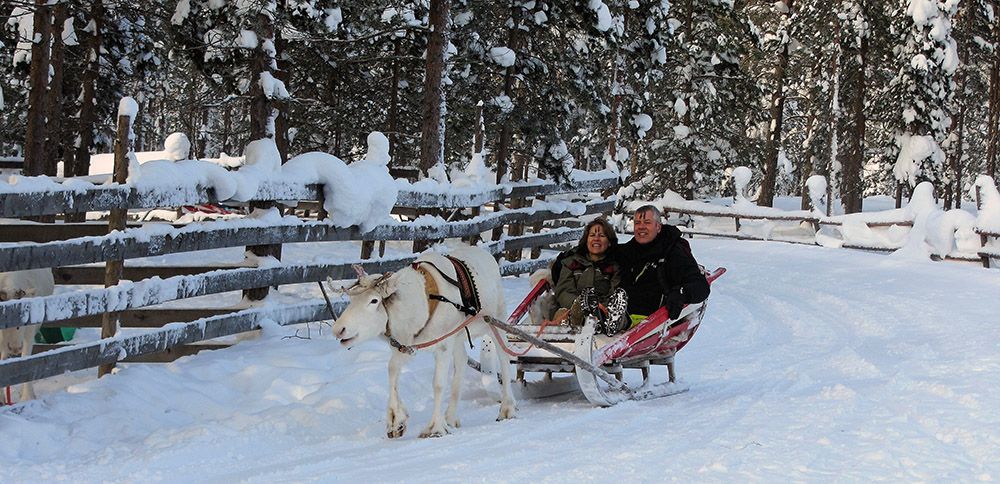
<point x="646" y="227"/>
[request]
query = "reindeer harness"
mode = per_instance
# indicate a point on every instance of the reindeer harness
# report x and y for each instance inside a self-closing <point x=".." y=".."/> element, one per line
<point x="470" y="306"/>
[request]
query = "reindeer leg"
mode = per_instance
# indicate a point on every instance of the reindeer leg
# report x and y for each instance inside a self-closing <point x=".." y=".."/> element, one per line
<point x="508" y="405"/>
<point x="437" y="427"/>
<point x="395" y="420"/>
<point x="457" y="370"/>
<point x="27" y="343"/>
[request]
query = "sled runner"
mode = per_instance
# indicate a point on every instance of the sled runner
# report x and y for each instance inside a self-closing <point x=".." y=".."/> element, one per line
<point x="598" y="361"/>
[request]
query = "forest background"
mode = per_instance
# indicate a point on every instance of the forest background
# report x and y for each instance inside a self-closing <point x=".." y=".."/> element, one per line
<point x="876" y="95"/>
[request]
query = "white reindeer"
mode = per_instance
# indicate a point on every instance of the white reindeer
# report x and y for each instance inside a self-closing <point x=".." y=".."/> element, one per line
<point x="20" y="340"/>
<point x="397" y="305"/>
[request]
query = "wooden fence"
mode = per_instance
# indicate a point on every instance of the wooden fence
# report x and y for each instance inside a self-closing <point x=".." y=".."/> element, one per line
<point x="64" y="246"/>
<point x="985" y="253"/>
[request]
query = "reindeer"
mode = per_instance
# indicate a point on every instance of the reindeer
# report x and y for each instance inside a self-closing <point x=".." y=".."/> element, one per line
<point x="21" y="339"/>
<point x="403" y="307"/>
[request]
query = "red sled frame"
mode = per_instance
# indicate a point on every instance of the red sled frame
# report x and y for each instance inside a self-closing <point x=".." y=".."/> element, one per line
<point x="598" y="363"/>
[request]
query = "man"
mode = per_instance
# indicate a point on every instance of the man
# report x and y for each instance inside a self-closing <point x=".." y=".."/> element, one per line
<point x="658" y="268"/>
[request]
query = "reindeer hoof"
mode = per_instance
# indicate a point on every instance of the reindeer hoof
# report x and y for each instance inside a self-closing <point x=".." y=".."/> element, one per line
<point x="506" y="413"/>
<point x="397" y="432"/>
<point x="434" y="432"/>
<point x="453" y="422"/>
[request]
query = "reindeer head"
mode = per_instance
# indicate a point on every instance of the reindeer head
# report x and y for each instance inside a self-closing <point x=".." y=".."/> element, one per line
<point x="16" y="285"/>
<point x="15" y="294"/>
<point x="366" y="316"/>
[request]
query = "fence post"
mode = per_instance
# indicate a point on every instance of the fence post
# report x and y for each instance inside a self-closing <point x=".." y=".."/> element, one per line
<point x="272" y="250"/>
<point x="116" y="221"/>
<point x="983" y="238"/>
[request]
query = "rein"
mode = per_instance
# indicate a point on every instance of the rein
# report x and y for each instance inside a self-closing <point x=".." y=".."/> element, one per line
<point x="507" y="349"/>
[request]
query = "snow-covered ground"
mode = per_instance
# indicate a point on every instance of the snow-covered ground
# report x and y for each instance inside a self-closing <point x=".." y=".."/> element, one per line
<point x="812" y="364"/>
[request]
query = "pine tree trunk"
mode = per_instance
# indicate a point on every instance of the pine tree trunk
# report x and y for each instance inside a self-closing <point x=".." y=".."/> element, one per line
<point x="506" y="128"/>
<point x="394" y="103"/>
<point x="516" y="229"/>
<point x="80" y="165"/>
<point x="432" y="134"/>
<point x="616" y="100"/>
<point x="993" y="120"/>
<point x="281" y="122"/>
<point x="953" y="190"/>
<point x="54" y="130"/>
<point x="807" y="169"/>
<point x="34" y="138"/>
<point x="853" y="152"/>
<point x="773" y="146"/>
<point x="260" y="104"/>
<point x="260" y="117"/>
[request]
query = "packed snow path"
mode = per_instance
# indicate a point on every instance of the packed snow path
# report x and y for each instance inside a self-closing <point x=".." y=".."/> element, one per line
<point x="812" y="364"/>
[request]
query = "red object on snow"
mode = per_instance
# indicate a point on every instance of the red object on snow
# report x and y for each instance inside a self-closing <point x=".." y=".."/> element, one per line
<point x="207" y="208"/>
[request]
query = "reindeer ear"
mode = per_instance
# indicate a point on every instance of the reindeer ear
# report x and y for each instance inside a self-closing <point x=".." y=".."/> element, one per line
<point x="359" y="270"/>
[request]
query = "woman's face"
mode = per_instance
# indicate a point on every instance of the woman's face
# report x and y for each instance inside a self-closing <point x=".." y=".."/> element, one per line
<point x="597" y="241"/>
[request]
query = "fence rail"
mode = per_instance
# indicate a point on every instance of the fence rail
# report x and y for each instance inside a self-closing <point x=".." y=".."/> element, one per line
<point x="889" y="219"/>
<point x="111" y="350"/>
<point x="154" y="285"/>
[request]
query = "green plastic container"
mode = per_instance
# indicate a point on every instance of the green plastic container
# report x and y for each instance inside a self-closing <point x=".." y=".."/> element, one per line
<point x="51" y="336"/>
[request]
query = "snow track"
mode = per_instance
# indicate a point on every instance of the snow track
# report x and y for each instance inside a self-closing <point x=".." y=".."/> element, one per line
<point x="811" y="364"/>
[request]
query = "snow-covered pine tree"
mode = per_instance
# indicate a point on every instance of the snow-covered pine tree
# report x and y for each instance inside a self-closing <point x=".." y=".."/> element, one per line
<point x="705" y="101"/>
<point x="809" y="110"/>
<point x="973" y="23"/>
<point x="640" y="58"/>
<point x="13" y="77"/>
<point x="233" y="45"/>
<point x="856" y="20"/>
<point x="991" y="42"/>
<point x="539" y="69"/>
<point x="777" y="46"/>
<point x="926" y="58"/>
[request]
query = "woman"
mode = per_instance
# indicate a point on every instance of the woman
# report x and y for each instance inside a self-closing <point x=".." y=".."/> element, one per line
<point x="587" y="279"/>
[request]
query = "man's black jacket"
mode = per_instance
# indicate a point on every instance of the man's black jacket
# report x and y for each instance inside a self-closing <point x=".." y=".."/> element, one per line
<point x="650" y="272"/>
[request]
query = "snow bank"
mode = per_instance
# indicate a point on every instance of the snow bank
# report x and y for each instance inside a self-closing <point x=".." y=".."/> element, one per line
<point x="817" y="191"/>
<point x="263" y="162"/>
<point x="176" y="147"/>
<point x="362" y="193"/>
<point x="894" y="381"/>
<point x="170" y="176"/>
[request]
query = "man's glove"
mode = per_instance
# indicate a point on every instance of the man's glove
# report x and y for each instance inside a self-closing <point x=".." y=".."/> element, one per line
<point x="674" y="302"/>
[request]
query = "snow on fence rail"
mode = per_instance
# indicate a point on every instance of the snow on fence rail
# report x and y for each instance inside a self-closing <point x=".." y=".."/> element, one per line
<point x="46" y="197"/>
<point x="39" y="197"/>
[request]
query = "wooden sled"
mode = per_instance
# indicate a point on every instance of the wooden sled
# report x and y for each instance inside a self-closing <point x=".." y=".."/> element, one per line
<point x="597" y="362"/>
